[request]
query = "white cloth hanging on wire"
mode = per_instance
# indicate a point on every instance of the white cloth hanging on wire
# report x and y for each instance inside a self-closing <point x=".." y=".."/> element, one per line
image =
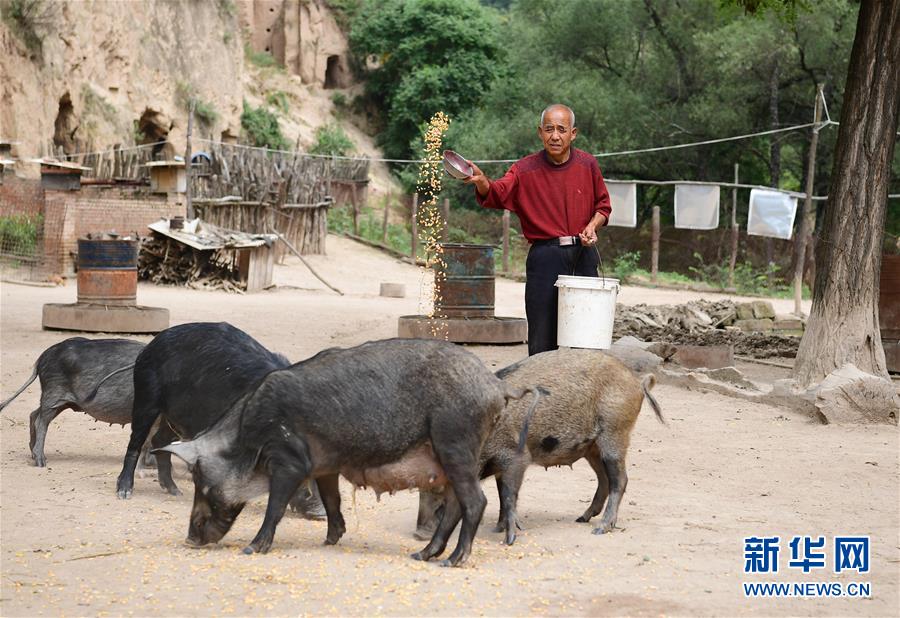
<point x="697" y="207"/>
<point x="771" y="214"/>
<point x="623" y="197"/>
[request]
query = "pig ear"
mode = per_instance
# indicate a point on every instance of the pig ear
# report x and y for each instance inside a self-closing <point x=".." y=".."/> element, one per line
<point x="187" y="451"/>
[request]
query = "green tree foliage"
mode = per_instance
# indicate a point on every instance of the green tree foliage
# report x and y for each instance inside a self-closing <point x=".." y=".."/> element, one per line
<point x="646" y="73"/>
<point x="331" y="140"/>
<point x="261" y="129"/>
<point x="427" y="56"/>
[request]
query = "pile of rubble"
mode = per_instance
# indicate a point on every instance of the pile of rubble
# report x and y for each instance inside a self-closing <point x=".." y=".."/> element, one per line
<point x="752" y="328"/>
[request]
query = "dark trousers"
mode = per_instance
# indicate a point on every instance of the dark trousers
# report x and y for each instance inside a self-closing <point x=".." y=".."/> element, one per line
<point x="545" y="263"/>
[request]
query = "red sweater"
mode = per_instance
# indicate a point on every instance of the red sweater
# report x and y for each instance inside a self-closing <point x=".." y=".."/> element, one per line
<point x="551" y="200"/>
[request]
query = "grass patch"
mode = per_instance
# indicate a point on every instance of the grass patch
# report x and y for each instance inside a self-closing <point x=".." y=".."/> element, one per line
<point x="279" y="100"/>
<point x="19" y="233"/>
<point x="261" y="129"/>
<point x="261" y="59"/>
<point x="340" y="221"/>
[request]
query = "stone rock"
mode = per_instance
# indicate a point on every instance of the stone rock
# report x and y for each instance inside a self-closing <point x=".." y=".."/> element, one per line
<point x="788" y="322"/>
<point x="744" y="311"/>
<point x="392" y="290"/>
<point x="763" y="309"/>
<point x="729" y="375"/>
<point x="662" y="349"/>
<point x="633" y="342"/>
<point x="755" y="326"/>
<point x="848" y="395"/>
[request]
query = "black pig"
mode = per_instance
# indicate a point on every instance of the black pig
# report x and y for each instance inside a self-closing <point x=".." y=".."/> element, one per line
<point x="68" y="372"/>
<point x="390" y="415"/>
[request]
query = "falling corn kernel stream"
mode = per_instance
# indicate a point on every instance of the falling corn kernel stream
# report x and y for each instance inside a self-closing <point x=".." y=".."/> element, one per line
<point x="430" y="221"/>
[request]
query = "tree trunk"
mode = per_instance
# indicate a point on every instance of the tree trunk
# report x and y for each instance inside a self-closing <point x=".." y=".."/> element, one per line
<point x="843" y="324"/>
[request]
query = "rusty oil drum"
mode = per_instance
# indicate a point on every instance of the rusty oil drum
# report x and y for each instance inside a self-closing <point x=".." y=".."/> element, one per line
<point x="107" y="271"/>
<point x="464" y="286"/>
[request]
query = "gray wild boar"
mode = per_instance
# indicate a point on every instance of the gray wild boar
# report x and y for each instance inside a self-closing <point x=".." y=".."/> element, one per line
<point x="390" y="415"/>
<point x="589" y="412"/>
<point x="68" y="372"/>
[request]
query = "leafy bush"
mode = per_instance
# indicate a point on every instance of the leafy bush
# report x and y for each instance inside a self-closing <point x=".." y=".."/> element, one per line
<point x="18" y="233"/>
<point x="204" y="111"/>
<point x="339" y="99"/>
<point x="626" y="265"/>
<point x="331" y="140"/>
<point x="261" y="128"/>
<point x="279" y="100"/>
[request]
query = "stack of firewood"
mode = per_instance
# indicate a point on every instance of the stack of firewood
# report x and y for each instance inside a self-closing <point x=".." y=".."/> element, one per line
<point x="166" y="261"/>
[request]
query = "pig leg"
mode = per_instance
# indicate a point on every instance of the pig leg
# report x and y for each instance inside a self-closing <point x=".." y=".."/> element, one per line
<point x="426" y="522"/>
<point x="613" y="458"/>
<point x="39" y="421"/>
<point x="163" y="436"/>
<point x="508" y="484"/>
<point x="143" y="417"/>
<point x="452" y="515"/>
<point x="287" y="466"/>
<point x="461" y="465"/>
<point x="282" y="487"/>
<point x="593" y="458"/>
<point x="308" y="503"/>
<point x="331" y="498"/>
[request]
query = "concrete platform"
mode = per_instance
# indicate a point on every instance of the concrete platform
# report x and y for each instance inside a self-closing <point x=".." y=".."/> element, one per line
<point x="462" y="330"/>
<point x="105" y="318"/>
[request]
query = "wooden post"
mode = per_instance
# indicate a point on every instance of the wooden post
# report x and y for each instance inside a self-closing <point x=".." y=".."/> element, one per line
<point x="506" y="241"/>
<point x="734" y="229"/>
<point x="384" y="222"/>
<point x="189" y="207"/>
<point x="807" y="214"/>
<point x="355" y="209"/>
<point x="445" y="215"/>
<point x="415" y="228"/>
<point x="654" y="247"/>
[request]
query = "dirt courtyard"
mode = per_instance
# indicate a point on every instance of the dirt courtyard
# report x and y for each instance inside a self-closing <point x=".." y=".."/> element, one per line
<point x="720" y="471"/>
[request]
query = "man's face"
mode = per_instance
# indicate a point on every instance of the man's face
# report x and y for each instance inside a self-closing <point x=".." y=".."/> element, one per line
<point x="557" y="134"/>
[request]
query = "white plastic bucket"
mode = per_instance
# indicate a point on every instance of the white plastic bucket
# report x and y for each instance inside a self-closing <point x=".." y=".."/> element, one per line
<point x="587" y="308"/>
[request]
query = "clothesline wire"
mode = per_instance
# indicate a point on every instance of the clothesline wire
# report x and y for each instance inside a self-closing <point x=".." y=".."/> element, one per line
<point x="478" y="161"/>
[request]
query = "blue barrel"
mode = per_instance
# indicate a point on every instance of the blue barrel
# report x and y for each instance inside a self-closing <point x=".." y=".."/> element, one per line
<point x="107" y="271"/>
<point x="107" y="254"/>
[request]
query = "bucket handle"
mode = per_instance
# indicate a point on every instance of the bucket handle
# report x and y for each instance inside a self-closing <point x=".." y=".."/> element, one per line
<point x="600" y="264"/>
<point x="599" y="261"/>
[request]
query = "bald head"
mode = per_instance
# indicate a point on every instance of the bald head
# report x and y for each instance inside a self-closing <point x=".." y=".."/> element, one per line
<point x="558" y="107"/>
<point x="557" y="130"/>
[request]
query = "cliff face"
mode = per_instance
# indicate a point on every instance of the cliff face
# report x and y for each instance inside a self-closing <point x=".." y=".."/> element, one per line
<point x="81" y="75"/>
<point x="108" y="73"/>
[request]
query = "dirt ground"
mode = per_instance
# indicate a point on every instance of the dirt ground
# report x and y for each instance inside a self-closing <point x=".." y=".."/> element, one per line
<point x="722" y="470"/>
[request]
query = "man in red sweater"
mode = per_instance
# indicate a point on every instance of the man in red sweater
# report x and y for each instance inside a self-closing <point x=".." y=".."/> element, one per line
<point x="560" y="199"/>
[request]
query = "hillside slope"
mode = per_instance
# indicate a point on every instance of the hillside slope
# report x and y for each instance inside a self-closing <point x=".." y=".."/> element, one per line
<point x="78" y="76"/>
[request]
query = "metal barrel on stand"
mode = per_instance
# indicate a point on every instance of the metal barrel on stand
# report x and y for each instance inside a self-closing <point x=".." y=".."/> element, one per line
<point x="107" y="271"/>
<point x="464" y="284"/>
